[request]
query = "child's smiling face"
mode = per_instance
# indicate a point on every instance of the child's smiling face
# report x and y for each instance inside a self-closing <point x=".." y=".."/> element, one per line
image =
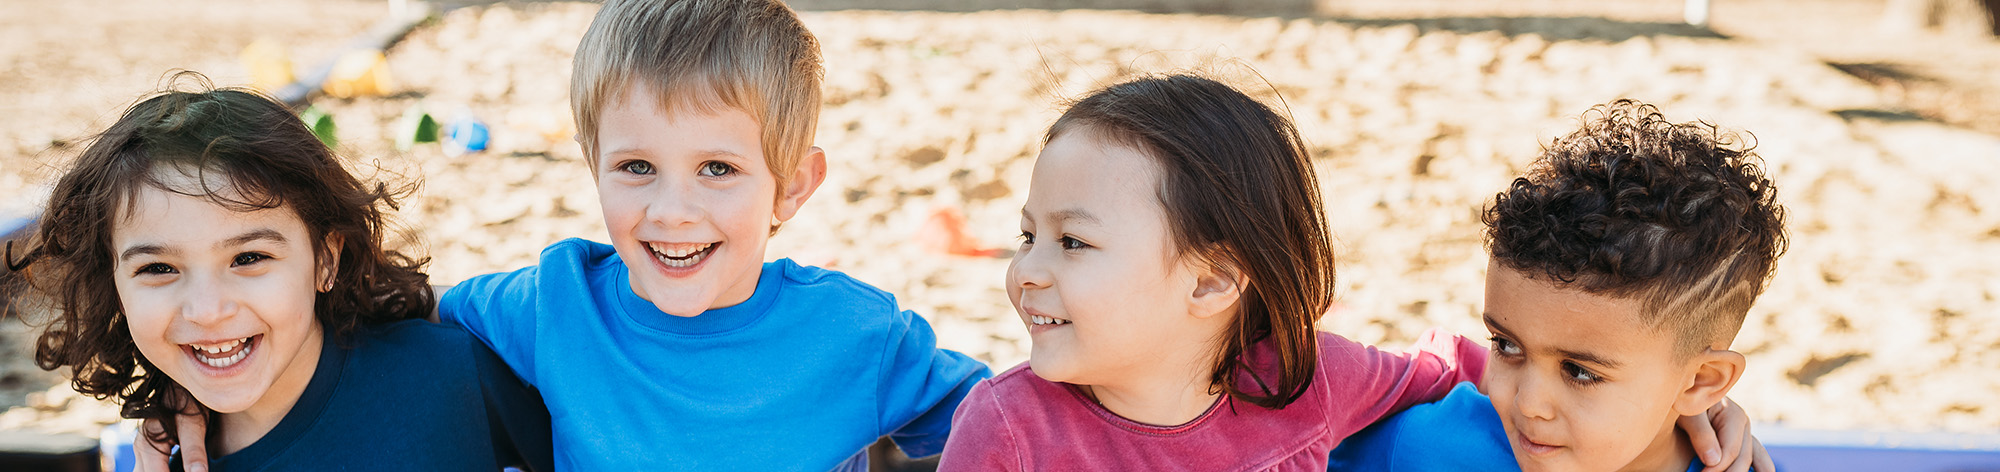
<point x="217" y="299"/>
<point x="688" y="200"/>
<point x="1096" y="280"/>
<point x="1579" y="381"/>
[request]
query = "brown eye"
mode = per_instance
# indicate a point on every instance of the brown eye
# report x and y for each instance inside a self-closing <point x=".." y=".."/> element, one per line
<point x="1579" y="375"/>
<point x="248" y="258"/>
<point x="155" y="268"/>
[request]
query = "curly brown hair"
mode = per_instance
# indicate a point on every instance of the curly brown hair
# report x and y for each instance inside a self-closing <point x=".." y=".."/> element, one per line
<point x="269" y="160"/>
<point x="1677" y="216"/>
<point x="1239" y="191"/>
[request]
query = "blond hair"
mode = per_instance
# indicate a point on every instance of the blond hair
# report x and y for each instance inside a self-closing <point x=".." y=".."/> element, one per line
<point x="753" y="56"/>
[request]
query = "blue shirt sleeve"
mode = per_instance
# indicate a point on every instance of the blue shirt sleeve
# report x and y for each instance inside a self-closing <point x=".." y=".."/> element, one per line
<point x="1371" y="449"/>
<point x="922" y="385"/>
<point x="499" y="309"/>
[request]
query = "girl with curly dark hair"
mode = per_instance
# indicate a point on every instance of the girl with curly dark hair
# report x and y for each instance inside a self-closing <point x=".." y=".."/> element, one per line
<point x="208" y="247"/>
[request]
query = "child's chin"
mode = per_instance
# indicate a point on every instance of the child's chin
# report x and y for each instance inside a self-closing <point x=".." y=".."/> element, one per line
<point x="225" y="400"/>
<point x="1052" y="368"/>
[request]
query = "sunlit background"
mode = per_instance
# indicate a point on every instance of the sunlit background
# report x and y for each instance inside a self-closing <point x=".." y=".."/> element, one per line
<point x="1877" y="119"/>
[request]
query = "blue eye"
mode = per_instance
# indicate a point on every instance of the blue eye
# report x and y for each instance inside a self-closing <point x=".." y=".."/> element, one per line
<point x="1579" y="375"/>
<point x="716" y="169"/>
<point x="155" y="268"/>
<point x="637" y="167"/>
<point x="248" y="258"/>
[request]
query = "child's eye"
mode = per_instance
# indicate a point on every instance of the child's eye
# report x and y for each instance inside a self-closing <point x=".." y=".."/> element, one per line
<point x="637" y="167"/>
<point x="1072" y="243"/>
<point x="1579" y="375"/>
<point x="154" y="268"/>
<point x="716" y="169"/>
<point x="248" y="258"/>
<point x="1027" y="238"/>
<point x="1505" y="347"/>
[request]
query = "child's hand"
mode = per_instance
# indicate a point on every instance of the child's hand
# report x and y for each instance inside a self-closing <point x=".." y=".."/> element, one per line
<point x="149" y="456"/>
<point x="1721" y="436"/>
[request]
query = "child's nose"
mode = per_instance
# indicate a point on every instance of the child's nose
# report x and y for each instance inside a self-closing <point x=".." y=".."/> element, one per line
<point x="1028" y="270"/>
<point x="1533" y="398"/>
<point x="674" y="204"/>
<point x="209" y="300"/>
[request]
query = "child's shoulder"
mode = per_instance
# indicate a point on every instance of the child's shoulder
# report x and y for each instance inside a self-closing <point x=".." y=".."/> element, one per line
<point x="826" y="284"/>
<point x="414" y="337"/>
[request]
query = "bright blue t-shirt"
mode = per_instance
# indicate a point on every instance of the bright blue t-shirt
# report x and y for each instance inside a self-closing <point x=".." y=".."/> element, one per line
<point x="1459" y="433"/>
<point x="804" y="375"/>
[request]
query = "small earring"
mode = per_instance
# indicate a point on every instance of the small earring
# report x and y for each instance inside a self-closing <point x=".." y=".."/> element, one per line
<point x="328" y="287"/>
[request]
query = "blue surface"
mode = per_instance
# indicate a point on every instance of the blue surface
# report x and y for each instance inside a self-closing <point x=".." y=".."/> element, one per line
<point x="1838" y="459"/>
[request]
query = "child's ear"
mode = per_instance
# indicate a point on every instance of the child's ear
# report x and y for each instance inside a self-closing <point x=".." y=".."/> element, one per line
<point x="1714" y="373"/>
<point x="1217" y="287"/>
<point x="329" y="266"/>
<point x="810" y="173"/>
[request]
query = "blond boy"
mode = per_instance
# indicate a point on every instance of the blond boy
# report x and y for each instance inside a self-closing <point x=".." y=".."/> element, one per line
<point x="676" y="347"/>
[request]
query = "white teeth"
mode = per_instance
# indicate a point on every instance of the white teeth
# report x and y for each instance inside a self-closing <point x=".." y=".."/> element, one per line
<point x="223" y="362"/>
<point x="1045" y="320"/>
<point x="679" y="255"/>
<point x="219" y="348"/>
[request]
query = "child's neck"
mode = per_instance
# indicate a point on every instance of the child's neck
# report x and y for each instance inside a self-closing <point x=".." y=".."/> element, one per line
<point x="243" y="428"/>
<point x="1175" y="394"/>
<point x="1669" y="452"/>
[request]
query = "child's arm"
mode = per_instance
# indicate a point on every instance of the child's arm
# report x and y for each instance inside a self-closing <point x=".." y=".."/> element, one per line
<point x="1377" y="383"/>
<point x="921" y="385"/>
<point x="499" y="309"/>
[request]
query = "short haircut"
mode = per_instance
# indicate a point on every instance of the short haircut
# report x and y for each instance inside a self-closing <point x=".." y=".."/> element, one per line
<point x="1676" y="216"/>
<point x="1238" y="189"/>
<point x="754" y="56"/>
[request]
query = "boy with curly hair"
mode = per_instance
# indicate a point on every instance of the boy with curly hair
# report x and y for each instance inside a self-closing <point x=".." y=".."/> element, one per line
<point x="1623" y="265"/>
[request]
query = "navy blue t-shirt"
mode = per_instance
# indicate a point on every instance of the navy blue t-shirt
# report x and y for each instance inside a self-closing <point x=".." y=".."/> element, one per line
<point x="408" y="395"/>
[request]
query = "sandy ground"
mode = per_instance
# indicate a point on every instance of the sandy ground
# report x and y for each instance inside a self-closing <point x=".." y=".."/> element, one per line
<point x="1883" y="315"/>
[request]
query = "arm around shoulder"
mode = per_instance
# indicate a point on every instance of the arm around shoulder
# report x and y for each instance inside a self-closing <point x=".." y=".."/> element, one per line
<point x="1389" y="382"/>
<point x="922" y="385"/>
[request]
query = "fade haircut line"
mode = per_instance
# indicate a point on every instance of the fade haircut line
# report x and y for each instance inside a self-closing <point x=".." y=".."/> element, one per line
<point x="1677" y="216"/>
<point x="704" y="56"/>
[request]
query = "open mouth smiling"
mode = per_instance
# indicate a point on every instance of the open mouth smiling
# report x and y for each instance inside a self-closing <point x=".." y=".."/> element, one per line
<point x="681" y="255"/>
<point x="223" y="354"/>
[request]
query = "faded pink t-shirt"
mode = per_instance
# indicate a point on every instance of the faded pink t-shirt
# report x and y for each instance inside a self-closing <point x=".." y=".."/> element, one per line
<point x="1018" y="421"/>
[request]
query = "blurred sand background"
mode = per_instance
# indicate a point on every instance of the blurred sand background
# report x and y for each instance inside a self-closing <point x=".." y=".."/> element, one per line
<point x="1879" y="131"/>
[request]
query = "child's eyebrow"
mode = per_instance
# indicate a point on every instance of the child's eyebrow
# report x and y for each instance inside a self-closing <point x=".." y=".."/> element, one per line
<point x="262" y="234"/>
<point x="1588" y="357"/>
<point x="1067" y="215"/>
<point x="142" y="250"/>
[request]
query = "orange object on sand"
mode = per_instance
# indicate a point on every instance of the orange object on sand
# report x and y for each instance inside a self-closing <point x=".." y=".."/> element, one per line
<point x="944" y="233"/>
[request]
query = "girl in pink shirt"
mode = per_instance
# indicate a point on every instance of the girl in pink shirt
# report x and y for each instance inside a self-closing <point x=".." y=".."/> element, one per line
<point x="1174" y="259"/>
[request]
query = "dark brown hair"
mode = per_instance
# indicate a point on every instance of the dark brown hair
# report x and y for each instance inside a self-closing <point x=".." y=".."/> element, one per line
<point x="1677" y="216"/>
<point x="266" y="158"/>
<point x="1239" y="193"/>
